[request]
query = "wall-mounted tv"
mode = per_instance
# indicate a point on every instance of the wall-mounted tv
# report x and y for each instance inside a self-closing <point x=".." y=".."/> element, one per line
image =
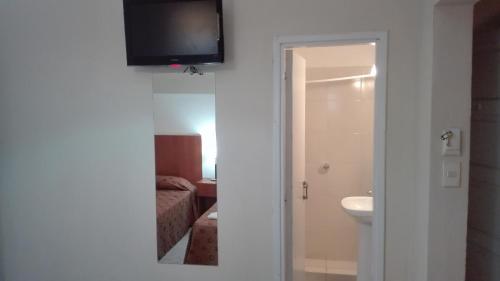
<point x="164" y="32"/>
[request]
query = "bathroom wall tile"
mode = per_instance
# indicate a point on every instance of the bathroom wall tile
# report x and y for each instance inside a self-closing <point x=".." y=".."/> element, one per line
<point x="341" y="267"/>
<point x="343" y="146"/>
<point x="339" y="120"/>
<point x="315" y="149"/>
<point x="317" y="112"/>
<point x="316" y="208"/>
<point x="316" y="92"/>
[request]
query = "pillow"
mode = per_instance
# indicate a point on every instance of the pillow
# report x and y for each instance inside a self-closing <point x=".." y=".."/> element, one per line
<point x="174" y="183"/>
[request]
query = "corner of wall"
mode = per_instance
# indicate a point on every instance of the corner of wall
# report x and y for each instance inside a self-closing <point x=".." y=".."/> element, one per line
<point x="445" y="74"/>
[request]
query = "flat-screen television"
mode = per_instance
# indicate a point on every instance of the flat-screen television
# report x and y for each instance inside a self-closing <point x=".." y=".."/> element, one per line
<point x="164" y="32"/>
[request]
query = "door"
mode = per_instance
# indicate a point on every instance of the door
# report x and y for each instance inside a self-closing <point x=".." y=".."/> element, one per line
<point x="295" y="76"/>
<point x="483" y="226"/>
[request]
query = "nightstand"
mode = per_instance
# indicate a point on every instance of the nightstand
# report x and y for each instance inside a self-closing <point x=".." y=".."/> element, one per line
<point x="207" y="194"/>
<point x="207" y="188"/>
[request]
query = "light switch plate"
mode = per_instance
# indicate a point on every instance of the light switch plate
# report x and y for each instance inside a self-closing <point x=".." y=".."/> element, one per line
<point x="451" y="146"/>
<point x="451" y="173"/>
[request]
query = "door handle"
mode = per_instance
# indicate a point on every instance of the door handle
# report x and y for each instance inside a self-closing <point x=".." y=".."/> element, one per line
<point x="305" y="187"/>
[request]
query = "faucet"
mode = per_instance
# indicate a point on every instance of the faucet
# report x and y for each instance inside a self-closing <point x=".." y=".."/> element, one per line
<point x="370" y="192"/>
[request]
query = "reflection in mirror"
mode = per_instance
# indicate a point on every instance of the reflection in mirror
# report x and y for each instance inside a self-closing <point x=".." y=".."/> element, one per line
<point x="185" y="159"/>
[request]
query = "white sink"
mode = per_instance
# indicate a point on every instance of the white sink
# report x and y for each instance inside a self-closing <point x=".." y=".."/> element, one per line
<point x="359" y="207"/>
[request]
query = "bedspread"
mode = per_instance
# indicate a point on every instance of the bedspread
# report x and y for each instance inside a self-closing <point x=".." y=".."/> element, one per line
<point x="202" y="248"/>
<point x="174" y="215"/>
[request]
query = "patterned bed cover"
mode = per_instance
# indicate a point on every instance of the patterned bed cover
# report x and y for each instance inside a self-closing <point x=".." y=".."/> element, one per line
<point x="174" y="215"/>
<point x="202" y="248"/>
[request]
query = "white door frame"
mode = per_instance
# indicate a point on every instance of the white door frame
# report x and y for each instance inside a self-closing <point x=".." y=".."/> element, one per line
<point x="279" y="142"/>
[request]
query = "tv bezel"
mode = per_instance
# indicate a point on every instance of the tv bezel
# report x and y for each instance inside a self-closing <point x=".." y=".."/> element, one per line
<point x="176" y="59"/>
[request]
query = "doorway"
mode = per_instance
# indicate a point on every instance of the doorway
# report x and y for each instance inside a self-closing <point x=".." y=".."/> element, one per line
<point x="307" y="215"/>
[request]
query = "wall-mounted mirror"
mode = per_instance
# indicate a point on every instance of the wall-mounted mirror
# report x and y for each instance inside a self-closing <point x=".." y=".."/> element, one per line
<point x="186" y="163"/>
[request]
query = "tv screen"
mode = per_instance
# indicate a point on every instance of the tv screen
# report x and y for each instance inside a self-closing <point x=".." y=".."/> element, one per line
<point x="162" y="32"/>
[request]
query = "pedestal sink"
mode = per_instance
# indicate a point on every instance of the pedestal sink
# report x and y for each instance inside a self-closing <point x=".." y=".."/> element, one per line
<point x="360" y="208"/>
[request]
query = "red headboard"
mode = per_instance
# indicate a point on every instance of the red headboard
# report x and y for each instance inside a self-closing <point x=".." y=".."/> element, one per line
<point x="178" y="156"/>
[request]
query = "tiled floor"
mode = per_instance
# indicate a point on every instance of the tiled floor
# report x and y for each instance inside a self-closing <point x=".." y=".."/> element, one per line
<point x="328" y="270"/>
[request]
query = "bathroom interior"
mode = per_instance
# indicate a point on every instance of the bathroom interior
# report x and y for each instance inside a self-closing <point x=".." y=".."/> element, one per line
<point x="339" y="122"/>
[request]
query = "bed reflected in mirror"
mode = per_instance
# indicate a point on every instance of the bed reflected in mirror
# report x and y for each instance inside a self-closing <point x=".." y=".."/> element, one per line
<point x="185" y="161"/>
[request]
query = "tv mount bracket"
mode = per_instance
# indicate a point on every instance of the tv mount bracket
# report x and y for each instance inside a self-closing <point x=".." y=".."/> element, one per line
<point x="191" y="69"/>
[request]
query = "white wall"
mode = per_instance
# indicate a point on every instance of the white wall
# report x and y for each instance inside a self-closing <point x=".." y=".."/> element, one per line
<point x="77" y="191"/>
<point x="184" y="114"/>
<point x="424" y="106"/>
<point x="339" y="131"/>
<point x="451" y="102"/>
<point x="183" y="82"/>
<point x="445" y="84"/>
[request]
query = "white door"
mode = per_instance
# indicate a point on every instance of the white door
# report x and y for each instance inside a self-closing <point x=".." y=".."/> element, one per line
<point x="296" y="114"/>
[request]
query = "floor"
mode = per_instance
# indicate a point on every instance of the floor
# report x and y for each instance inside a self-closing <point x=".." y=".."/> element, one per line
<point x="330" y="270"/>
<point x="177" y="253"/>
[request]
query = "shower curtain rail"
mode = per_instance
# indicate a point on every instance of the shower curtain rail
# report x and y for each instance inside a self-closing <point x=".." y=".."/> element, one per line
<point x="354" y="77"/>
